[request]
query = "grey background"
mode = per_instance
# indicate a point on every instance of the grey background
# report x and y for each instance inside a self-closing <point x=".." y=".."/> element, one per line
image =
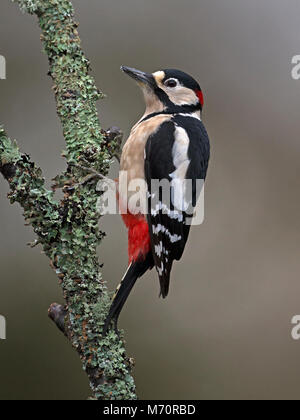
<point x="224" y="331"/>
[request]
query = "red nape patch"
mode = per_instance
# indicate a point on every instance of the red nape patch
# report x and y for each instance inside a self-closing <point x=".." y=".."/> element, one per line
<point x="200" y="96"/>
<point x="138" y="236"/>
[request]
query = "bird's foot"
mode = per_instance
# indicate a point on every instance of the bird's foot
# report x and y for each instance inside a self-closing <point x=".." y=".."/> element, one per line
<point x="115" y="327"/>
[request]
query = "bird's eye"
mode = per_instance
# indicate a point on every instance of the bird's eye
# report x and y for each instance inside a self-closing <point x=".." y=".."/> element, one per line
<point x="171" y="83"/>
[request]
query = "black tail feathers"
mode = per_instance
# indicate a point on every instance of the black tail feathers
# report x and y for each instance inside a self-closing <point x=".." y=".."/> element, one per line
<point x="164" y="279"/>
<point x="135" y="270"/>
<point x="164" y="286"/>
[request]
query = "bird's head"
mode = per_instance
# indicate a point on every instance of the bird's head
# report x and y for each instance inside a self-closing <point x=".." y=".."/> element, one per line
<point x="168" y="90"/>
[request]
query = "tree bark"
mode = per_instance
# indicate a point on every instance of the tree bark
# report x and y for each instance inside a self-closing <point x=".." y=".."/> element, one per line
<point x="68" y="230"/>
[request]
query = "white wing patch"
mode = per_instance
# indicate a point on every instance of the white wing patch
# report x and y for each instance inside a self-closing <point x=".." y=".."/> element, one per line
<point x="181" y="163"/>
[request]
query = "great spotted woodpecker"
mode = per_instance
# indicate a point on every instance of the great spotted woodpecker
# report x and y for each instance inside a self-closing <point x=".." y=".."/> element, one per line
<point x="169" y="143"/>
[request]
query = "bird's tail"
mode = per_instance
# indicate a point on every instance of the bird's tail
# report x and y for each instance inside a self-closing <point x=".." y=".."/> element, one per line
<point x="135" y="270"/>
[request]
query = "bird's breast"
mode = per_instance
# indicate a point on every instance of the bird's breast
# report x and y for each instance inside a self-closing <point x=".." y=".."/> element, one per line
<point x="133" y="156"/>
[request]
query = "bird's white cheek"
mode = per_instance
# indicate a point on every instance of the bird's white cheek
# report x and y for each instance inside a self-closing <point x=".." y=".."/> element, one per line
<point x="182" y="96"/>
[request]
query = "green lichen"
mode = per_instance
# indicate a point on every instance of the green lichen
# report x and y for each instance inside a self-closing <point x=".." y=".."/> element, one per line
<point x="9" y="149"/>
<point x="69" y="230"/>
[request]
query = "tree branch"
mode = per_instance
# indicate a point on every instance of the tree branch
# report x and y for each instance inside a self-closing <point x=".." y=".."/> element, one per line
<point x="68" y="231"/>
<point x="58" y="314"/>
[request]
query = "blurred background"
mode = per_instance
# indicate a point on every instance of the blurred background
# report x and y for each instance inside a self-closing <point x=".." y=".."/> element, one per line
<point x="225" y="330"/>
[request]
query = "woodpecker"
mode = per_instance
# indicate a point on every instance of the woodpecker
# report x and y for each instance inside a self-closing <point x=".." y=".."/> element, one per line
<point x="170" y="143"/>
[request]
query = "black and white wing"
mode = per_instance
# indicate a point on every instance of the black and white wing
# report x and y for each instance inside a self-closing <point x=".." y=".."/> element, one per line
<point x="178" y="150"/>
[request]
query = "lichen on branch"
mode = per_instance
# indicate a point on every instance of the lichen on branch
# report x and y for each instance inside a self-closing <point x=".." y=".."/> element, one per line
<point x="69" y="230"/>
<point x="27" y="187"/>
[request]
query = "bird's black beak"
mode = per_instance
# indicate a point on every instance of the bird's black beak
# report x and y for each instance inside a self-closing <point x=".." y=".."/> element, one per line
<point x="140" y="76"/>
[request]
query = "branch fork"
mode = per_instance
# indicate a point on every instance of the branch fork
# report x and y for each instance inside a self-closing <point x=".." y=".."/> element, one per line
<point x="68" y="231"/>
